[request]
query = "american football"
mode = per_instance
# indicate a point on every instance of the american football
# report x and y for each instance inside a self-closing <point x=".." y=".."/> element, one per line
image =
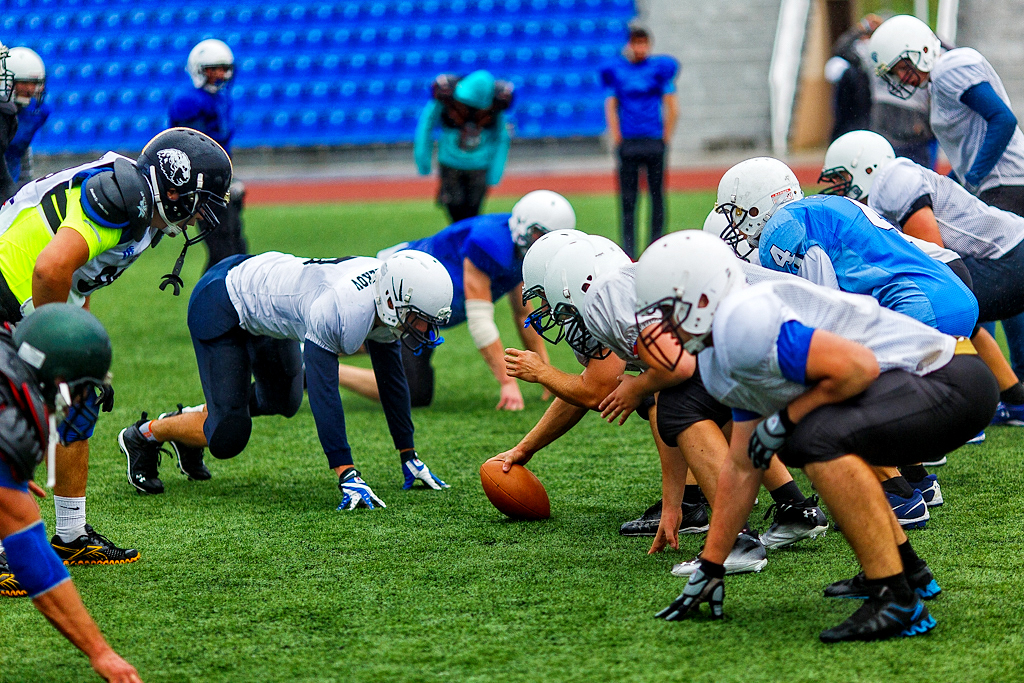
<point x="517" y="493"/>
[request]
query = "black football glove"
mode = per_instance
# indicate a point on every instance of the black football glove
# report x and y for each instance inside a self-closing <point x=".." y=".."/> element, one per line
<point x="768" y="438"/>
<point x="705" y="585"/>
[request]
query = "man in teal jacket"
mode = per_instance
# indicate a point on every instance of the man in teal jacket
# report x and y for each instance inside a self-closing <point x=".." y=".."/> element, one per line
<point x="474" y="139"/>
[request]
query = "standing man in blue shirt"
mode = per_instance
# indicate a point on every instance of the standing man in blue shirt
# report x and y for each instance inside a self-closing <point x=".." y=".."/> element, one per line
<point x="474" y="139"/>
<point x="29" y="86"/>
<point x="206" y="107"/>
<point x="641" y="110"/>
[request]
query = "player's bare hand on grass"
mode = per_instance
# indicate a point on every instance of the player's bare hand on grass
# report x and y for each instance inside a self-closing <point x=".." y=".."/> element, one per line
<point x="668" y="529"/>
<point x="623" y="400"/>
<point x="415" y="470"/>
<point x="511" y="397"/>
<point x="700" y="588"/>
<point x="511" y="457"/>
<point x="113" y="668"/>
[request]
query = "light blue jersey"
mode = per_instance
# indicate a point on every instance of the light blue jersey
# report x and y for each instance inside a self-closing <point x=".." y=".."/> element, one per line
<point x="840" y="243"/>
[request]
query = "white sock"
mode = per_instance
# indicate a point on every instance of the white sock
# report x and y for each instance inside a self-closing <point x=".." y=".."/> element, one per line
<point x="194" y="409"/>
<point x="1" y="546"/>
<point x="70" y="517"/>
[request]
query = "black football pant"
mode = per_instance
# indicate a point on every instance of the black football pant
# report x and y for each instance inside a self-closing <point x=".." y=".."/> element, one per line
<point x="419" y="373"/>
<point x="648" y="153"/>
<point x="228" y="238"/>
<point x="462" y="192"/>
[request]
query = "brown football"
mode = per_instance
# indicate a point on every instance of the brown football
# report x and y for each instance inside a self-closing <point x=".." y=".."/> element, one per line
<point x="518" y="493"/>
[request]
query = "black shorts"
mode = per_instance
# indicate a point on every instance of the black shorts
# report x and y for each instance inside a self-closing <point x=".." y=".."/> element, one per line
<point x="686" y="404"/>
<point x="901" y="419"/>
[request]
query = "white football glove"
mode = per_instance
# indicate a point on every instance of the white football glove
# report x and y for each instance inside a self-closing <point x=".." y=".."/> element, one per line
<point x="356" y="492"/>
<point x="415" y="469"/>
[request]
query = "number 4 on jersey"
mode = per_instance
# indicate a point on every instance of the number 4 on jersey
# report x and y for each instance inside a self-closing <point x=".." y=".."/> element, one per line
<point x="784" y="258"/>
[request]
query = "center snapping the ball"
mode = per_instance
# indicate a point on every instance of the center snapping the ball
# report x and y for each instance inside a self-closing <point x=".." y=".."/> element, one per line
<point x="518" y="493"/>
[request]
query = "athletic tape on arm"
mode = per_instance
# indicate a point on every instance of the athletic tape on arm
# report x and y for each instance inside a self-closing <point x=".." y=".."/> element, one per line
<point x="480" y="316"/>
<point x="33" y="561"/>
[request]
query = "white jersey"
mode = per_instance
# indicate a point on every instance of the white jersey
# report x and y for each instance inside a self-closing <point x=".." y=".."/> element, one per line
<point x="742" y="368"/>
<point x="961" y="130"/>
<point x="609" y="312"/>
<point x="328" y="302"/>
<point x="967" y="225"/>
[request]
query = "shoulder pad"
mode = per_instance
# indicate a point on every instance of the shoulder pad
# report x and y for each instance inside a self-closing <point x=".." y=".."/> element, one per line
<point x="20" y="384"/>
<point x="503" y="95"/>
<point x="443" y="88"/>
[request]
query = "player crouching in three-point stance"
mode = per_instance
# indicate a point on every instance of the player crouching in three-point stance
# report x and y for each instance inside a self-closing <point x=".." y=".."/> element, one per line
<point x="264" y="317"/>
<point x="830" y="382"/>
<point x="57" y="357"/>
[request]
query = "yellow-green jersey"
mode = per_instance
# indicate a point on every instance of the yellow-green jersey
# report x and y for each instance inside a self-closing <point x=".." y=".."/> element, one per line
<point x="30" y="219"/>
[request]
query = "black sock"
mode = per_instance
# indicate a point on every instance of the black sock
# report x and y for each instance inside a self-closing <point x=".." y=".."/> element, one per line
<point x="899" y="486"/>
<point x="746" y="529"/>
<point x="914" y="472"/>
<point x="910" y="559"/>
<point x="787" y="493"/>
<point x="692" y="494"/>
<point x="1014" y="395"/>
<point x="897" y="583"/>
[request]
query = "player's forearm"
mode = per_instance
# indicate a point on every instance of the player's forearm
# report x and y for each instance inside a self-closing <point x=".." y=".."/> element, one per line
<point x="738" y="483"/>
<point x="50" y="285"/>
<point x="494" y="356"/>
<point x="673" y="477"/>
<point x="63" y="608"/>
<point x="558" y="419"/>
<point x="611" y="115"/>
<point x="570" y="388"/>
<point x="671" y="115"/>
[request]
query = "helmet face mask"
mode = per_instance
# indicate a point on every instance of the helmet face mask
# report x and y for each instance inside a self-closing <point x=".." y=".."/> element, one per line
<point x="419" y="330"/>
<point x="649" y="336"/>
<point x="412" y="292"/>
<point x="852" y="162"/>
<point x="840" y="183"/>
<point x="904" y="51"/>
<point x="6" y="76"/>
<point x="28" y="75"/>
<point x="719" y="224"/>
<point x="535" y="265"/>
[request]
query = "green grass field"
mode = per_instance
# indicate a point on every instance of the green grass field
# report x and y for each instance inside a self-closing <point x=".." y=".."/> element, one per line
<point x="253" y="576"/>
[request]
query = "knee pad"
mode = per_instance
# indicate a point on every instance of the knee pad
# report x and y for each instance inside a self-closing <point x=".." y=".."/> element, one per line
<point x="33" y="561"/>
<point x="230" y="436"/>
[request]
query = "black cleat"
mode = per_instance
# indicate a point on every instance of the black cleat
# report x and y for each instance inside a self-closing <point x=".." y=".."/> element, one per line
<point x="92" y="548"/>
<point x="143" y="458"/>
<point x="190" y="458"/>
<point x="921" y="580"/>
<point x="882" y="616"/>
<point x="793" y="522"/>
<point x="9" y="586"/>
<point x="694" y="521"/>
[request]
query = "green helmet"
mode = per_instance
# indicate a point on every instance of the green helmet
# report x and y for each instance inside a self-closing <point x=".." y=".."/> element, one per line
<point x="64" y="344"/>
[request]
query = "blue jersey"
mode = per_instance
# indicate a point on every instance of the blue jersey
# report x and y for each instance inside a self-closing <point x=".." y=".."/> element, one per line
<point x="639" y="89"/>
<point x="30" y="119"/>
<point x="487" y="242"/>
<point x="208" y="113"/>
<point x="837" y="242"/>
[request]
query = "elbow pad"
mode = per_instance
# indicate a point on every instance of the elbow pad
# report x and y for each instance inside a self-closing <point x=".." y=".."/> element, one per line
<point x="480" y="317"/>
<point x="33" y="561"/>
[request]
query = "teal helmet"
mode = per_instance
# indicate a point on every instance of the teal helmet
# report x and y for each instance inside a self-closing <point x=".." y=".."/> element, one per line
<point x="64" y="344"/>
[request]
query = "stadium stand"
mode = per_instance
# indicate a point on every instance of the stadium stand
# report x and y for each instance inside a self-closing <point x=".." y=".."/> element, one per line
<point x="313" y="73"/>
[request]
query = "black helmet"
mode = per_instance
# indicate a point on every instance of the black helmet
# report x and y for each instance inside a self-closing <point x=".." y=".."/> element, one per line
<point x="64" y="344"/>
<point x="120" y="197"/>
<point x="198" y="170"/>
<point x="193" y="166"/>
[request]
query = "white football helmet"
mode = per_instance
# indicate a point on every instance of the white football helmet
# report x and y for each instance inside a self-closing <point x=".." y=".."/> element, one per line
<point x="535" y="266"/>
<point x="673" y="276"/>
<point x="539" y="212"/>
<point x="899" y="38"/>
<point x="27" y="67"/>
<point x="718" y="225"/>
<point x="853" y="161"/>
<point x="571" y="271"/>
<point x="206" y="54"/>
<point x="6" y="76"/>
<point x="413" y="287"/>
<point x="751" y="191"/>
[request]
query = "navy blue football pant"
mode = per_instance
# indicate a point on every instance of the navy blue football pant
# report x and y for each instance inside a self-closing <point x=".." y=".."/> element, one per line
<point x="243" y="375"/>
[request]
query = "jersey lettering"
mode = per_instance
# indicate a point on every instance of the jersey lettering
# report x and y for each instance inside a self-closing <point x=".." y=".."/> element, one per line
<point x="363" y="281"/>
<point x="102" y="279"/>
<point x="785" y="258"/>
<point x="322" y="261"/>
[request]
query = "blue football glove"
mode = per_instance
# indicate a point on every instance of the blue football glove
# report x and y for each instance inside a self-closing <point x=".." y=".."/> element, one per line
<point x="705" y="585"/>
<point x="356" y="493"/>
<point x="768" y="438"/>
<point x="415" y="469"/>
<point x="81" y="417"/>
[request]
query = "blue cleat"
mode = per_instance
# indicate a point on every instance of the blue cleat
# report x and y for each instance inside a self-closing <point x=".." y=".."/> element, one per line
<point x="1009" y="414"/>
<point x="912" y="513"/>
<point x="930" y="491"/>
<point x="973" y="441"/>
<point x="882" y="616"/>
